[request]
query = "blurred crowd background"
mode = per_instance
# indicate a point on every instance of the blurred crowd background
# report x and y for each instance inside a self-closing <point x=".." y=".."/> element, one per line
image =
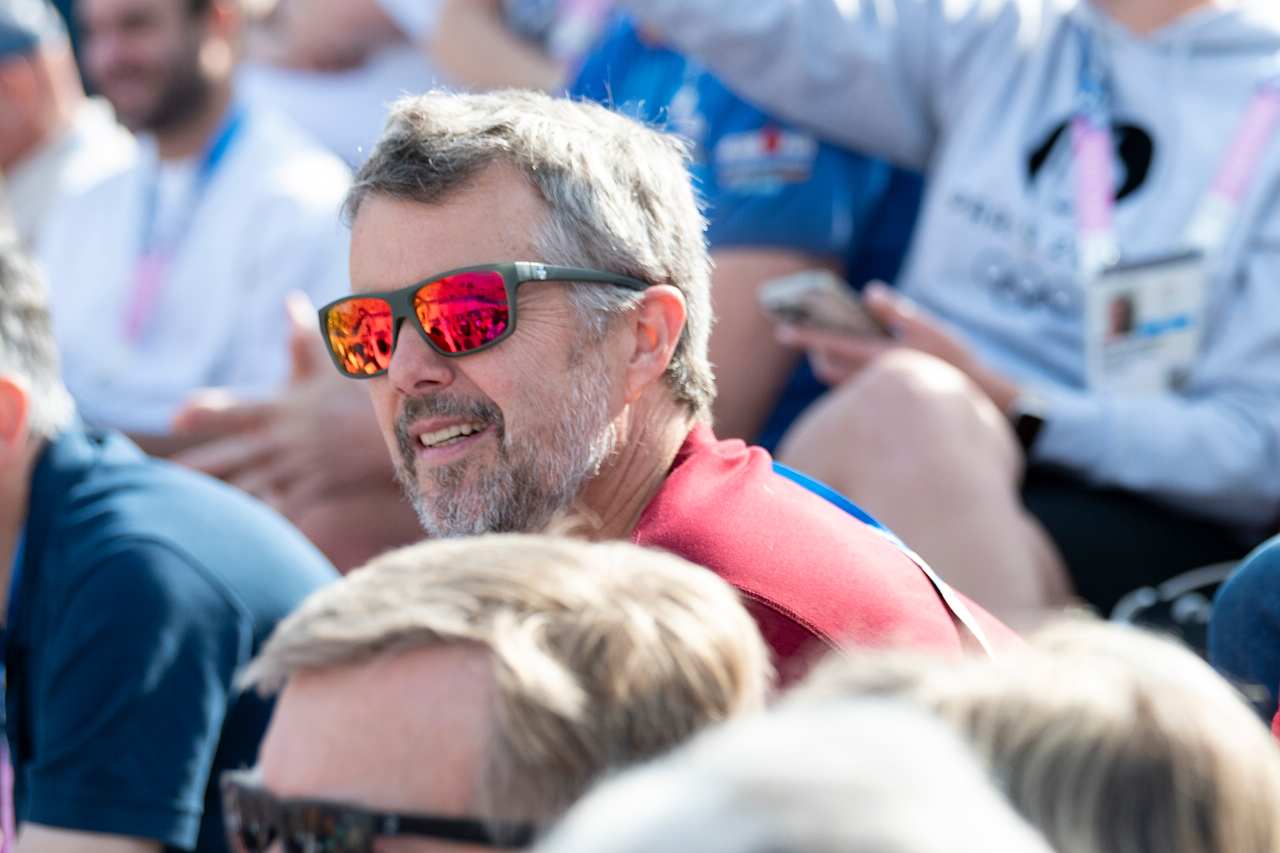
<point x="177" y="170"/>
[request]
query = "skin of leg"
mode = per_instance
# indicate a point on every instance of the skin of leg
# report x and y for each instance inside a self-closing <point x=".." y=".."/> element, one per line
<point x="916" y="443"/>
<point x="752" y="368"/>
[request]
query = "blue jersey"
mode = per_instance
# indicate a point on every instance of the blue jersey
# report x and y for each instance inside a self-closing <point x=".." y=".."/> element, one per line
<point x="765" y="183"/>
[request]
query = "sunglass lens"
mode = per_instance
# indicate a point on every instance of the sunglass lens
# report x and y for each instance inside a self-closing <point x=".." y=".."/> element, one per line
<point x="360" y="333"/>
<point x="463" y="312"/>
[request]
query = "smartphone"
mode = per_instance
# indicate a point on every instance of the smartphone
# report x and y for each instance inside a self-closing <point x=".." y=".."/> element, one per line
<point x="819" y="299"/>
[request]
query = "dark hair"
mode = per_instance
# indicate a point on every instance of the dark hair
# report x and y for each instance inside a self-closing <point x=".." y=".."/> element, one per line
<point x="27" y="346"/>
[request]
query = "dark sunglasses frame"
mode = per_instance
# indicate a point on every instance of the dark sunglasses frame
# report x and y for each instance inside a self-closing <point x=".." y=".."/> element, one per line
<point x="514" y="274"/>
<point x="346" y="828"/>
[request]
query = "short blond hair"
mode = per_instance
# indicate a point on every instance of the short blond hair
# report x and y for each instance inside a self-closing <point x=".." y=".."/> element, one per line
<point x="603" y="654"/>
<point x="1108" y="739"/>
<point x="865" y="776"/>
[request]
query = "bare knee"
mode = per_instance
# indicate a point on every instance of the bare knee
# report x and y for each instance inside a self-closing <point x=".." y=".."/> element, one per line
<point x="907" y="407"/>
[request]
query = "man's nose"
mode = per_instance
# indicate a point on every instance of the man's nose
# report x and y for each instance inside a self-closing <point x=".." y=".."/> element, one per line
<point x="416" y="367"/>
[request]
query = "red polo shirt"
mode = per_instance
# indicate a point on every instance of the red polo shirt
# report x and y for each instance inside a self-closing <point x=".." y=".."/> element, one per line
<point x="813" y="576"/>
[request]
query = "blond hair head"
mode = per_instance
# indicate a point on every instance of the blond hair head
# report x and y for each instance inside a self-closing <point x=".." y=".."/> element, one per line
<point x="862" y="777"/>
<point x="603" y="654"/>
<point x="1108" y="739"/>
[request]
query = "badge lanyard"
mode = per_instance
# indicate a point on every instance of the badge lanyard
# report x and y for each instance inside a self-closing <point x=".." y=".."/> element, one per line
<point x="156" y="254"/>
<point x="1095" y="170"/>
<point x="7" y="823"/>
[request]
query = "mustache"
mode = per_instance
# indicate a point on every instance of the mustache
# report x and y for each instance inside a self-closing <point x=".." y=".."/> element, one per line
<point x="435" y="406"/>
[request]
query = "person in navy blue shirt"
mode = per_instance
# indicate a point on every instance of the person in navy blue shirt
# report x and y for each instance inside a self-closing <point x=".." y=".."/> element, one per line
<point x="134" y="591"/>
<point x="778" y="201"/>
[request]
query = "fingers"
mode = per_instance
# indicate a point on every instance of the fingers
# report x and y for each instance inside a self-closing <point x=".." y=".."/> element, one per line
<point x="307" y="354"/>
<point x="267" y="482"/>
<point x="894" y="311"/>
<point x="216" y="412"/>
<point x="834" y="356"/>
<point x="840" y="346"/>
<point x="227" y="458"/>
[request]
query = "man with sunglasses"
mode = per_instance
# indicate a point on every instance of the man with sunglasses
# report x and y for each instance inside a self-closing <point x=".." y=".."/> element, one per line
<point x="131" y="593"/>
<point x="531" y="313"/>
<point x="507" y="674"/>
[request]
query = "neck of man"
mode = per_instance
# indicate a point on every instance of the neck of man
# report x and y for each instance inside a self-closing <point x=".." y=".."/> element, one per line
<point x="194" y="135"/>
<point x="1144" y="17"/>
<point x="14" y="498"/>
<point x="650" y="434"/>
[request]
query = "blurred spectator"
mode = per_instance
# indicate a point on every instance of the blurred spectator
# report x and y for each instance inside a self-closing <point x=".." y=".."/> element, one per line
<point x="599" y="401"/>
<point x="508" y="673"/>
<point x="1244" y="630"/>
<point x="873" y="777"/>
<point x="7" y="229"/>
<point x="173" y="275"/>
<point x="1147" y="457"/>
<point x="335" y="483"/>
<point x="779" y="201"/>
<point x="53" y="141"/>
<point x="334" y="66"/>
<point x="134" y="591"/>
<point x="527" y="44"/>
<point x="1107" y="739"/>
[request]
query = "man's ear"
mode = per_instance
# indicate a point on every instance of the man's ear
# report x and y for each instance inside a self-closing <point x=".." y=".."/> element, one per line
<point x="657" y="323"/>
<point x="15" y="412"/>
<point x="225" y="23"/>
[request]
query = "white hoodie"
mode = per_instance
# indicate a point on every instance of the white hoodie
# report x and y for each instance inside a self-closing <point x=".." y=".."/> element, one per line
<point x="972" y="92"/>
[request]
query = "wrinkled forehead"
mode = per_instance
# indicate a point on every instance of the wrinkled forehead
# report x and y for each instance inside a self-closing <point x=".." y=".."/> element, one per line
<point x="496" y="217"/>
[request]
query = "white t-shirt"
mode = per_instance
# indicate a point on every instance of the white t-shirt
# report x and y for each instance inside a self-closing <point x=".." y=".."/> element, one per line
<point x="266" y="223"/>
<point x="91" y="149"/>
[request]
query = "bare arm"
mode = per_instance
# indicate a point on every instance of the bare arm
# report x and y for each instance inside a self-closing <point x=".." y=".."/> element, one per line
<point x="473" y="46"/>
<point x="752" y="367"/>
<point x="44" y="839"/>
<point x="325" y="34"/>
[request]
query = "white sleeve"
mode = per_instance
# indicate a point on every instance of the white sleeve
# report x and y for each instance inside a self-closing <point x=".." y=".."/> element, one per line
<point x="297" y="241"/>
<point x="879" y="75"/>
<point x="1214" y="450"/>
<point x="415" y="18"/>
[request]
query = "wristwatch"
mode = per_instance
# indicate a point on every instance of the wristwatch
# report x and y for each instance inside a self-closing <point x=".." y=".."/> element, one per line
<point x="1027" y="414"/>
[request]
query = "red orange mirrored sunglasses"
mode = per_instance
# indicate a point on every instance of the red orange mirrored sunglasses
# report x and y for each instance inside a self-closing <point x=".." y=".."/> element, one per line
<point x="457" y="313"/>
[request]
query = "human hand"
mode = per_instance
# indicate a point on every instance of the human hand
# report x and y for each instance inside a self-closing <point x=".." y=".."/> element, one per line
<point x="837" y="357"/>
<point x="320" y="35"/>
<point x="316" y="440"/>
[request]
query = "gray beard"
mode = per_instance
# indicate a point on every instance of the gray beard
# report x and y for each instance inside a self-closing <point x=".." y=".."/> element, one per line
<point x="532" y="482"/>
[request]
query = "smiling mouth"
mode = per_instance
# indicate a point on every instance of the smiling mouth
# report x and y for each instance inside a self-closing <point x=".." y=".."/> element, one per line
<point x="449" y="435"/>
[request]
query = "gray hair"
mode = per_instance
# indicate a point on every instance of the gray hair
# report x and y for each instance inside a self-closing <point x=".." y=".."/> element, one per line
<point x="866" y="777"/>
<point x="619" y="198"/>
<point x="603" y="654"/>
<point x="27" y="347"/>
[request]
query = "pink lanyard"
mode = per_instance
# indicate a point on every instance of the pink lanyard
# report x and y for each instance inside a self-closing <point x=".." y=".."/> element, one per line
<point x="1095" y="170"/>
<point x="156" y="256"/>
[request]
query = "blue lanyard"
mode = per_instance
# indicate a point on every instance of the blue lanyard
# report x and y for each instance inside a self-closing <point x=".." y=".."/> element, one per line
<point x="1094" y="87"/>
<point x="15" y="584"/>
<point x="209" y="163"/>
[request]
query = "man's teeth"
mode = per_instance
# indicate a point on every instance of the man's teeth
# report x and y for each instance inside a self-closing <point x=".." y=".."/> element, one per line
<point x="440" y="436"/>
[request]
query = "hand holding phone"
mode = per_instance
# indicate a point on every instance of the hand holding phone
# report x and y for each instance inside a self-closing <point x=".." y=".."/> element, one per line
<point x="819" y="299"/>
